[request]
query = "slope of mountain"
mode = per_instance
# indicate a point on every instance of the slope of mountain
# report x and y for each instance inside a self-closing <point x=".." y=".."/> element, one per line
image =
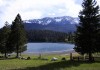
<point x="61" y="24"/>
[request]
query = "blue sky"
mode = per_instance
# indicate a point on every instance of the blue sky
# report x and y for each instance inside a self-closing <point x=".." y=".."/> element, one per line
<point x="34" y="9"/>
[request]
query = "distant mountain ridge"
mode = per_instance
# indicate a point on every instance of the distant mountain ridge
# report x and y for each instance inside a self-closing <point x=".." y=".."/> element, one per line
<point x="60" y="24"/>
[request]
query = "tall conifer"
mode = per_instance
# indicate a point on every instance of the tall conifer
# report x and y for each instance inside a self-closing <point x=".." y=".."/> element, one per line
<point x="18" y="36"/>
<point x="4" y="36"/>
<point x="87" y="30"/>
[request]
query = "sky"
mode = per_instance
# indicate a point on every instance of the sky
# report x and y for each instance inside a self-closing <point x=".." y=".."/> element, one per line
<point x="36" y="9"/>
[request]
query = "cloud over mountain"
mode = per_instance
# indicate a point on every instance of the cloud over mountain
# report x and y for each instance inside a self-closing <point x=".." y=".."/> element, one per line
<point x="32" y="9"/>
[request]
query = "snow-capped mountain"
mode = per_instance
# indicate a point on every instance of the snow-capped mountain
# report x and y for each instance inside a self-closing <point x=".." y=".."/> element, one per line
<point x="62" y="24"/>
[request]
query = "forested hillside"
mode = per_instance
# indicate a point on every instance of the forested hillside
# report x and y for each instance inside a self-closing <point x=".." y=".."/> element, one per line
<point x="48" y="36"/>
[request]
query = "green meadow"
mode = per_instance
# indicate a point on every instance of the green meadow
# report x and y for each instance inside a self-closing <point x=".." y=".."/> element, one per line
<point x="45" y="63"/>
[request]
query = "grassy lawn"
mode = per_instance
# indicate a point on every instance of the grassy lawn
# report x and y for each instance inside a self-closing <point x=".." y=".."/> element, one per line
<point x="38" y="64"/>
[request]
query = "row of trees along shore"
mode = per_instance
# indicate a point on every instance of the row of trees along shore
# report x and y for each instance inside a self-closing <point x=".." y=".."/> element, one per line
<point x="13" y="38"/>
<point x="87" y="38"/>
<point x="49" y="36"/>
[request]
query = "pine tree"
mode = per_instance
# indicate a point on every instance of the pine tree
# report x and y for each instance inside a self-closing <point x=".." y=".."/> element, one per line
<point x="22" y="49"/>
<point x="18" y="36"/>
<point x="4" y="35"/>
<point x="85" y="39"/>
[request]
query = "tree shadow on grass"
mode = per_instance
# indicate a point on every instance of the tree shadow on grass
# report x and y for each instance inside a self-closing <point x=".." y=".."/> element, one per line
<point x="8" y="58"/>
<point x="56" y="65"/>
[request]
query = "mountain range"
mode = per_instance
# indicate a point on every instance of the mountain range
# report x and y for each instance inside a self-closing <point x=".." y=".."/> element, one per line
<point x="60" y="24"/>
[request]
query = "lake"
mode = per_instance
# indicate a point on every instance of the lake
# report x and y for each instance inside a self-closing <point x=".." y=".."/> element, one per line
<point x="48" y="47"/>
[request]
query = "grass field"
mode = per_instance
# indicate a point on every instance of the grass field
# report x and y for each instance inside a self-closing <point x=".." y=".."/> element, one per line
<point x="39" y="64"/>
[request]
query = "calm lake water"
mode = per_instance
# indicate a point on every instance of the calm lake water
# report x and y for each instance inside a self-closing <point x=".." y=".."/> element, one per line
<point x="48" y="47"/>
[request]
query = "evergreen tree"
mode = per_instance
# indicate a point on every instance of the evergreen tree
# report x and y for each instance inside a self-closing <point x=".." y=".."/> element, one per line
<point x="22" y="49"/>
<point x="4" y="35"/>
<point x="18" y="36"/>
<point x="85" y="39"/>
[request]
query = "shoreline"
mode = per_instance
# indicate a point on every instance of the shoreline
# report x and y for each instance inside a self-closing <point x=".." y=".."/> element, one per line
<point x="52" y="53"/>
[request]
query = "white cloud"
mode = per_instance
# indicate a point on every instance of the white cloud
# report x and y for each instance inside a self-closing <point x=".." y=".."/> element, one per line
<point x="98" y="1"/>
<point x="30" y="9"/>
<point x="1" y="2"/>
<point x="51" y="14"/>
<point x="72" y="8"/>
<point x="33" y="14"/>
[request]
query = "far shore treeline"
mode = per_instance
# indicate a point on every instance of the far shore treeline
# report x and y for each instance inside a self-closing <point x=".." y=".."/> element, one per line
<point x="49" y="36"/>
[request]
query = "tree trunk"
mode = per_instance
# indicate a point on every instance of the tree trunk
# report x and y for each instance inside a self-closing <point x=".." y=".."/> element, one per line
<point x="71" y="56"/>
<point x="90" y="56"/>
<point x="17" y="53"/>
<point x="5" y="55"/>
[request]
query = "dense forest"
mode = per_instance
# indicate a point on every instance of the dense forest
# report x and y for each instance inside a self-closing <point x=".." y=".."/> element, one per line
<point x="49" y="36"/>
